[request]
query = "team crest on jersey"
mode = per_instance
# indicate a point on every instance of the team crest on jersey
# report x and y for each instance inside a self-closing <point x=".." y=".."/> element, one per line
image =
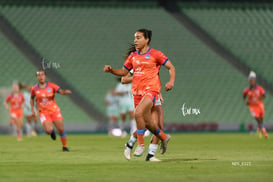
<point x="148" y="56"/>
<point x="49" y="90"/>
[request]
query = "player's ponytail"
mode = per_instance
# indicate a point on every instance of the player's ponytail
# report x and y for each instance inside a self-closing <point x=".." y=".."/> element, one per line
<point x="131" y="49"/>
<point x="147" y="34"/>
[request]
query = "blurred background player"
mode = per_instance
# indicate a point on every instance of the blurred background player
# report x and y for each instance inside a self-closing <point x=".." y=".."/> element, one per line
<point x="253" y="97"/>
<point x="49" y="112"/>
<point x="15" y="103"/>
<point x="126" y="105"/>
<point x="111" y="103"/>
<point x="30" y="127"/>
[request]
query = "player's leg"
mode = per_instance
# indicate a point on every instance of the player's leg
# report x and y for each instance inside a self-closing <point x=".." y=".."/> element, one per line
<point x="144" y="119"/>
<point x="155" y="129"/>
<point x="143" y="107"/>
<point x="60" y="128"/>
<point x="46" y="121"/>
<point x="19" y="124"/>
<point x="48" y="128"/>
<point x="129" y="145"/>
<point x="122" y="120"/>
<point x="112" y="123"/>
<point x="157" y="114"/>
<point x="28" y="125"/>
<point x="261" y="126"/>
<point x="132" y="121"/>
<point x="34" y="126"/>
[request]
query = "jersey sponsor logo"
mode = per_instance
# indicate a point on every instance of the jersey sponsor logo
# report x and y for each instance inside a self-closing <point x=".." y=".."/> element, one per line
<point x="137" y="69"/>
<point x="148" y="56"/>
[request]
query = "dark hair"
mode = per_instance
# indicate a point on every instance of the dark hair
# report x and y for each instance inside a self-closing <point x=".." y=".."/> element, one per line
<point x="146" y="33"/>
<point x="131" y="49"/>
<point x="40" y="71"/>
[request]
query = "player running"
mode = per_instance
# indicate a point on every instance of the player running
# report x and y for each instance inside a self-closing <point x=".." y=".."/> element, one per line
<point x="30" y="129"/>
<point x="145" y="86"/>
<point x="49" y="112"/>
<point x="14" y="103"/>
<point x="253" y="96"/>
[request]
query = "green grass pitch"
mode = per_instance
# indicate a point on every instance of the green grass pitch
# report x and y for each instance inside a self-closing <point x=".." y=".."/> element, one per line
<point x="190" y="157"/>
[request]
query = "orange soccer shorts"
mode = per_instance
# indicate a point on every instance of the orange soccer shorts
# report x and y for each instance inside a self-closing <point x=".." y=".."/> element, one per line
<point x="152" y="95"/>
<point x="50" y="116"/>
<point x="257" y="111"/>
<point x="16" y="113"/>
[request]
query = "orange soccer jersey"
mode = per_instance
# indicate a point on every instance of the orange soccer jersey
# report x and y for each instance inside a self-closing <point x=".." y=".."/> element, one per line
<point x="145" y="67"/>
<point x="48" y="108"/>
<point x="256" y="106"/>
<point x="16" y="110"/>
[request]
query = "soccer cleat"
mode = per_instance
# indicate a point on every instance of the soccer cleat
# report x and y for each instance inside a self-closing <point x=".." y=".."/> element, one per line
<point x="65" y="149"/>
<point x="153" y="159"/>
<point x="53" y="135"/>
<point x="139" y="151"/>
<point x="127" y="152"/>
<point x="164" y="144"/>
<point x="266" y="136"/>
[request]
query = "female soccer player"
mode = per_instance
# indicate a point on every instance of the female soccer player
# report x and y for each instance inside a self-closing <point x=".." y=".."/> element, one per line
<point x="14" y="103"/>
<point x="253" y="97"/>
<point x="145" y="86"/>
<point x="49" y="112"/>
<point x="28" y="113"/>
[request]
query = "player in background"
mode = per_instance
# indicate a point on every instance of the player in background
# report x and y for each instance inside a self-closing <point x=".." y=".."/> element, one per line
<point x="111" y="103"/>
<point x="30" y="127"/>
<point x="126" y="105"/>
<point x="49" y="112"/>
<point x="145" y="86"/>
<point x="14" y="103"/>
<point x="253" y="97"/>
<point x="158" y="117"/>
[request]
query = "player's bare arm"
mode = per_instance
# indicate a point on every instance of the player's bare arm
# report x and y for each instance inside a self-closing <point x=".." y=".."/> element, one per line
<point x="127" y="79"/>
<point x="118" y="72"/>
<point x="169" y="85"/>
<point x="6" y="105"/>
<point x="64" y="92"/>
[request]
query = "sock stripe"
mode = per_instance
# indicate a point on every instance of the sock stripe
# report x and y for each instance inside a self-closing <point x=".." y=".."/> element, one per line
<point x="157" y="131"/>
<point x="141" y="132"/>
<point x="63" y="135"/>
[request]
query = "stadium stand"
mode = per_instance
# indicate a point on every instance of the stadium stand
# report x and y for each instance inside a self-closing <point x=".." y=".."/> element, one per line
<point x="15" y="67"/>
<point x="82" y="39"/>
<point x="243" y="29"/>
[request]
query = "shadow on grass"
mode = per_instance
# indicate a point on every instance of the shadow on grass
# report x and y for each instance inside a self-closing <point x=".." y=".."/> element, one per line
<point x="183" y="160"/>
